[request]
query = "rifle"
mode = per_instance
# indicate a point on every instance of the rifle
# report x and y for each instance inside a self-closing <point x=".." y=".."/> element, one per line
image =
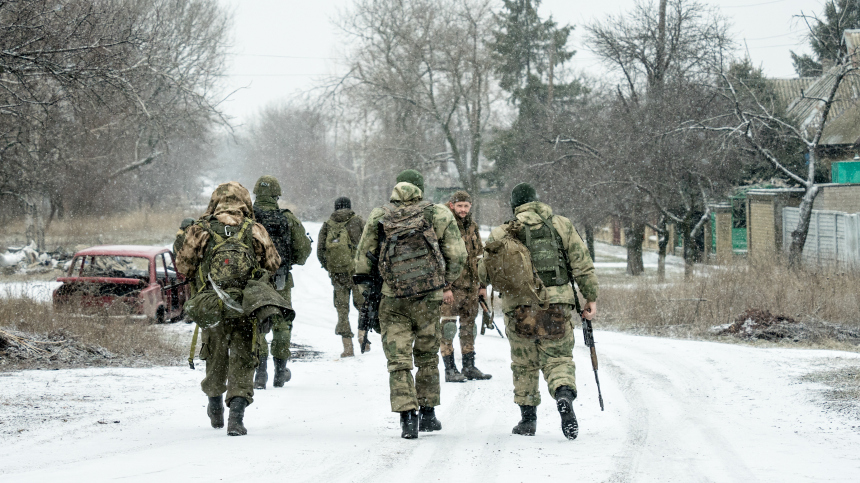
<point x="588" y="335"/>
<point x="368" y="315"/>
<point x="487" y="319"/>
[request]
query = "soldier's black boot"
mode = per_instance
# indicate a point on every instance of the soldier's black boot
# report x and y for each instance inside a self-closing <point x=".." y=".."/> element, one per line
<point x="528" y="424"/>
<point x="409" y="424"/>
<point x="564" y="397"/>
<point x="427" y="420"/>
<point x="235" y="426"/>
<point x="282" y="374"/>
<point x="262" y="376"/>
<point x="215" y="411"/>
<point x="451" y="372"/>
<point x="469" y="369"/>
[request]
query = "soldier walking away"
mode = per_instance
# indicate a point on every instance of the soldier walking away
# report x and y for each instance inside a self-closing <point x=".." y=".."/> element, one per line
<point x="419" y="250"/>
<point x="231" y="259"/>
<point x="460" y="297"/>
<point x="538" y="307"/>
<point x="294" y="246"/>
<point x="336" y="243"/>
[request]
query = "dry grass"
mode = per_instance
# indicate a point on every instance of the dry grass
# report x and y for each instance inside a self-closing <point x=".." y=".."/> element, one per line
<point x="139" y="227"/>
<point x="843" y="393"/>
<point x="719" y="295"/>
<point x="132" y="341"/>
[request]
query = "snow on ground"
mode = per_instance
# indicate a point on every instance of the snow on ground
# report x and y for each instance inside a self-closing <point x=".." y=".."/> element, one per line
<point x="38" y="291"/>
<point x="675" y="411"/>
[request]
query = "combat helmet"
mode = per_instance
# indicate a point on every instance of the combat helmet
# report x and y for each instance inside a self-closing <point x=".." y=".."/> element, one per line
<point x="267" y="185"/>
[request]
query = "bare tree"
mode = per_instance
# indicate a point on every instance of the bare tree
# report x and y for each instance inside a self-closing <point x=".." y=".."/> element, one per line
<point x="422" y="68"/>
<point x="94" y="91"/>
<point x="753" y="121"/>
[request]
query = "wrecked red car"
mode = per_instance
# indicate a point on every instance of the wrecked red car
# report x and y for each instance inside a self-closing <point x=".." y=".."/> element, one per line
<point x="124" y="280"/>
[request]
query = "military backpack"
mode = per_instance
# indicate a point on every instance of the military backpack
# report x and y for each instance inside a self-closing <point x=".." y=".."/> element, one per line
<point x="510" y="270"/>
<point x="339" y="250"/>
<point x="410" y="260"/>
<point x="230" y="260"/>
<point x="278" y="226"/>
<point x="547" y="252"/>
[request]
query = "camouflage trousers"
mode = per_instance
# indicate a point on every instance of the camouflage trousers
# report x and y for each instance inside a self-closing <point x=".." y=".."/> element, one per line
<point x="342" y="283"/>
<point x="529" y="356"/>
<point x="228" y="349"/>
<point x="466" y="307"/>
<point x="411" y="332"/>
<point x="281" y="333"/>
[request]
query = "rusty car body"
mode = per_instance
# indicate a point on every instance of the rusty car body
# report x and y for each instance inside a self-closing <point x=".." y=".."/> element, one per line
<point x="129" y="280"/>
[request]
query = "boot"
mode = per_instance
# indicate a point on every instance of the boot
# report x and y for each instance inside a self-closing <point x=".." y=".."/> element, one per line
<point x="427" y="421"/>
<point x="215" y="411"/>
<point x="469" y="369"/>
<point x="282" y="374"/>
<point x="262" y="376"/>
<point x="451" y="372"/>
<point x="564" y="397"/>
<point x="409" y="424"/>
<point x="235" y="427"/>
<point x="348" y="351"/>
<point x="528" y="423"/>
<point x="362" y="334"/>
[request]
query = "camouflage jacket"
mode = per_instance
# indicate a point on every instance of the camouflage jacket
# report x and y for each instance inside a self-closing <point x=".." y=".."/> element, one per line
<point x="469" y="280"/>
<point x="299" y="241"/>
<point x="230" y="204"/>
<point x="581" y="266"/>
<point x="450" y="241"/>
<point x="354" y="227"/>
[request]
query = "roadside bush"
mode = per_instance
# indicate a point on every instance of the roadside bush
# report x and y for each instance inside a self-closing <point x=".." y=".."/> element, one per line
<point x="719" y="296"/>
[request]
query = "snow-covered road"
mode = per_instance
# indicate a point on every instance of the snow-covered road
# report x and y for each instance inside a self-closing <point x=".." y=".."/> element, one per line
<point x="675" y="411"/>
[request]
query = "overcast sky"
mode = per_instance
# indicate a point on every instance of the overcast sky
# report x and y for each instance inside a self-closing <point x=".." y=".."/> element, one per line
<point x="281" y="47"/>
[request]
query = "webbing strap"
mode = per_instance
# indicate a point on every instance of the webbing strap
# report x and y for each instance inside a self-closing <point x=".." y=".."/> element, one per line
<point x="193" y="346"/>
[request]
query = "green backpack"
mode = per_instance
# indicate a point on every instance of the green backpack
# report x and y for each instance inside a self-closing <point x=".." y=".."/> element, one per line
<point x="339" y="251"/>
<point x="547" y="252"/>
<point x="230" y="260"/>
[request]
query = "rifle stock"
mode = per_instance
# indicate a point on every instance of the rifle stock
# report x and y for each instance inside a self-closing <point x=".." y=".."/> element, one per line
<point x="588" y="337"/>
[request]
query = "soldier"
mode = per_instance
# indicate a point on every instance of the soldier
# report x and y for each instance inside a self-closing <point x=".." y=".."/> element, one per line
<point x="336" y="244"/>
<point x="419" y="251"/>
<point x="465" y="292"/>
<point x="294" y="246"/>
<point x="542" y="339"/>
<point x="231" y="259"/>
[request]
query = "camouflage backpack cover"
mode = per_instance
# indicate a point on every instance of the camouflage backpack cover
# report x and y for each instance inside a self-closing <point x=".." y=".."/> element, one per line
<point x="339" y="250"/>
<point x="278" y="227"/>
<point x="410" y="260"/>
<point x="510" y="270"/>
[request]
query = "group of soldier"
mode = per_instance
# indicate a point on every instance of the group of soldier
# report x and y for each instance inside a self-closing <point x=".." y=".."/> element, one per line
<point x="423" y="293"/>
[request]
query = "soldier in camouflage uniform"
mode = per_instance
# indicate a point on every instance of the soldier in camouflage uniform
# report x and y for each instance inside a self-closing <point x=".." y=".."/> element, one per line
<point x="229" y="344"/>
<point x="298" y="245"/>
<point x="410" y="325"/>
<point x="553" y="356"/>
<point x="465" y="292"/>
<point x="340" y="269"/>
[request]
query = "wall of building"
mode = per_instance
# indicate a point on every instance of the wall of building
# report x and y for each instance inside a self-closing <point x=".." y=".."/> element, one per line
<point x="844" y="198"/>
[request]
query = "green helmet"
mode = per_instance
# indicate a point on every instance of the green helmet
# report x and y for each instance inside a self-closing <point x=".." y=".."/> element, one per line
<point x="267" y="186"/>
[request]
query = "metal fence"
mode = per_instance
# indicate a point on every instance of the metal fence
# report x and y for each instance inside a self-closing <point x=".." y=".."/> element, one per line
<point x="833" y="238"/>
